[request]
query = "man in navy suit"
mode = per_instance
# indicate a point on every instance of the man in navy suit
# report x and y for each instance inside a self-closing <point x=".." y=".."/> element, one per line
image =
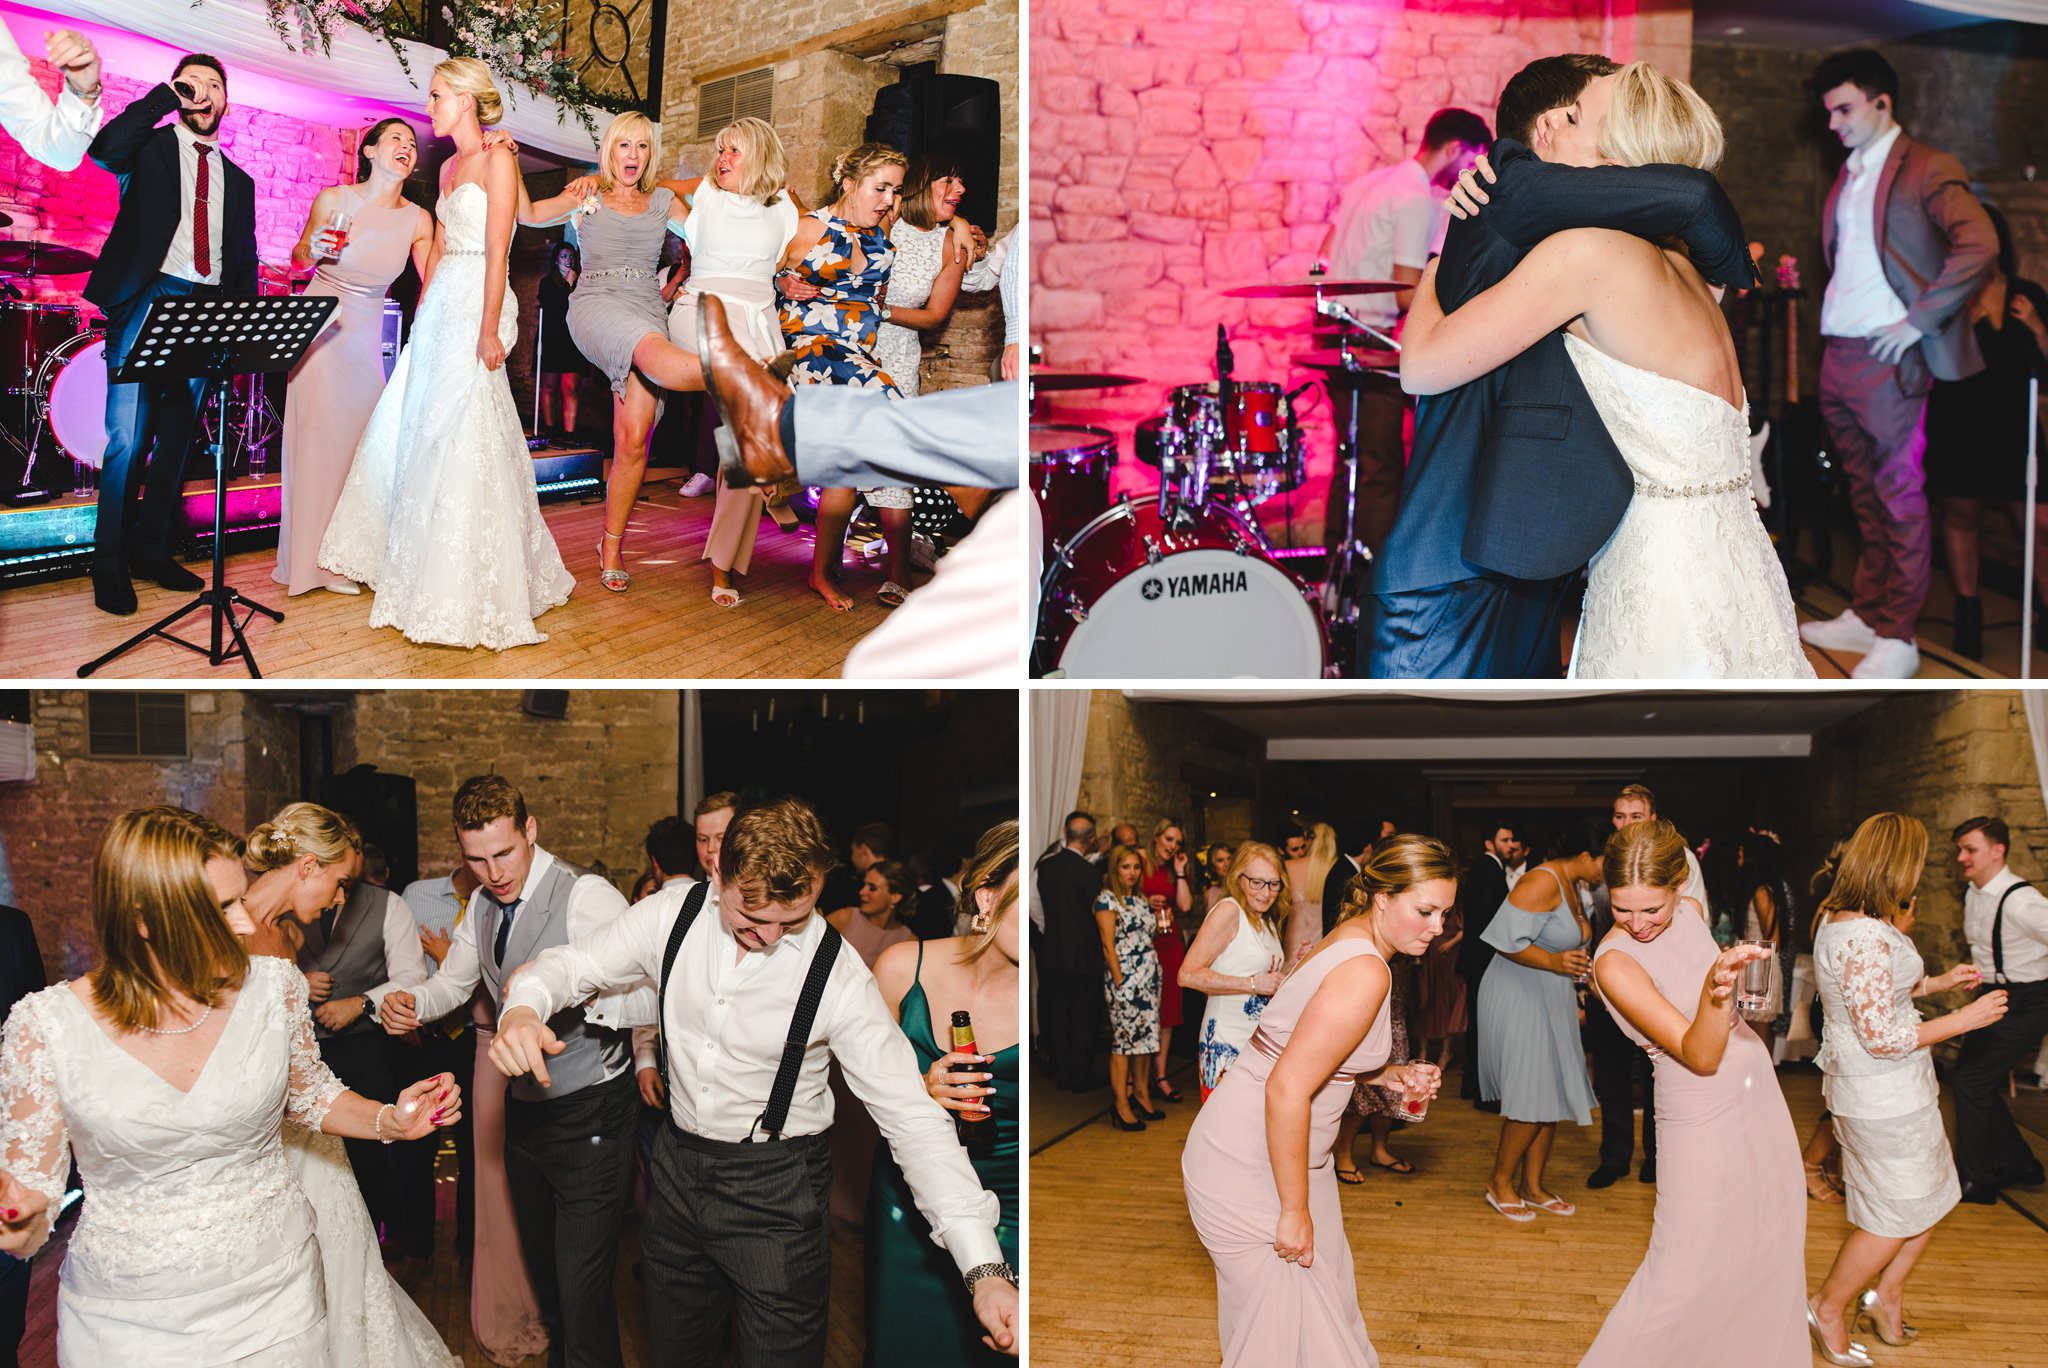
<point x="1514" y="483"/>
<point x="186" y="227"/>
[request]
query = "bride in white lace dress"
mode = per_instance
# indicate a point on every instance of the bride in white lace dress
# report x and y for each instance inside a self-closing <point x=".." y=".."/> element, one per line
<point x="1688" y="586"/>
<point x="167" y="1073"/>
<point x="439" y="515"/>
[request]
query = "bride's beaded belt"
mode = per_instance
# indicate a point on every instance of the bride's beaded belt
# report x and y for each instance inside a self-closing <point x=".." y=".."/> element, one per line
<point x="462" y="251"/>
<point x="1693" y="491"/>
<point x="1266" y="1046"/>
<point x="626" y="272"/>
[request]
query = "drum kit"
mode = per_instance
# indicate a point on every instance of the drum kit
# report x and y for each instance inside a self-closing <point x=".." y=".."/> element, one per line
<point x="53" y="363"/>
<point x="1186" y="584"/>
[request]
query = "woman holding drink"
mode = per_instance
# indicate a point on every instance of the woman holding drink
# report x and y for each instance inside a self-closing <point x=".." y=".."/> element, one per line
<point x="1236" y="957"/>
<point x="1899" y="1175"/>
<point x="1730" y="1228"/>
<point x="1261" y="1187"/>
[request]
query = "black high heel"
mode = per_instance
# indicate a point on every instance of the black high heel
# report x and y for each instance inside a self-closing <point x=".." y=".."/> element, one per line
<point x="1122" y="1124"/>
<point x="1165" y="1091"/>
<point x="1149" y="1113"/>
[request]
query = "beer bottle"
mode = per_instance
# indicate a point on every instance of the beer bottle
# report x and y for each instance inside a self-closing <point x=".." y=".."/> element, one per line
<point x="976" y="1137"/>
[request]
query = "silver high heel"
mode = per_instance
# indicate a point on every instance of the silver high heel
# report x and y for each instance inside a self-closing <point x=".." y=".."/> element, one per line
<point x="1867" y="1305"/>
<point x="1857" y="1357"/>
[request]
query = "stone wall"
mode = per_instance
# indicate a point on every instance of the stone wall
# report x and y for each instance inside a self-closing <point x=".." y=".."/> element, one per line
<point x="1940" y="757"/>
<point x="290" y="160"/>
<point x="594" y="780"/>
<point x="1184" y="147"/>
<point x="242" y="754"/>
<point x="1140" y="762"/>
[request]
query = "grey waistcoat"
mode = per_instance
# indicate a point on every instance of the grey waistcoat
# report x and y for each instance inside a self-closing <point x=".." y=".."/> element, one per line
<point x="542" y="923"/>
<point x="355" y="955"/>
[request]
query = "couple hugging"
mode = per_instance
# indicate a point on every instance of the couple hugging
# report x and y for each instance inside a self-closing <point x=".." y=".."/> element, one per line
<point x="1582" y="406"/>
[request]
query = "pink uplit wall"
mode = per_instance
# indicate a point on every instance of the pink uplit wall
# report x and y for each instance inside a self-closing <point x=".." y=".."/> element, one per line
<point x="289" y="158"/>
<point x="1180" y="148"/>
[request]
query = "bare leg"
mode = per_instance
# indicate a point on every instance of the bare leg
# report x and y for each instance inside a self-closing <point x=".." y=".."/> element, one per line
<point x="1857" y="1263"/>
<point x="1535" y="1161"/>
<point x="1891" y="1284"/>
<point x="1165" y="1040"/>
<point x="1515" y="1139"/>
<point x="547" y="400"/>
<point x="1382" y="1127"/>
<point x="835" y="511"/>
<point x="569" y="385"/>
<point x="1119" y="1077"/>
<point x="1959" y="533"/>
<point x="632" y="423"/>
<point x="668" y="365"/>
<point x="896" y="527"/>
<point x="1141" y="1080"/>
<point x="1347" y="1138"/>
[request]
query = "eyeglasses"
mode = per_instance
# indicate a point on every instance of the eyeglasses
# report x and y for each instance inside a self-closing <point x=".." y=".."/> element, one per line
<point x="1262" y="885"/>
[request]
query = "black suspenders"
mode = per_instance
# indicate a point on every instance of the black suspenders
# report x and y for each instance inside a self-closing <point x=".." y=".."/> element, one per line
<point x="776" y="1115"/>
<point x="1998" y="932"/>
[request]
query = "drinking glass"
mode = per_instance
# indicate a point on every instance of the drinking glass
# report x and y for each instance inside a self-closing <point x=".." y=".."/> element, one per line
<point x="337" y="228"/>
<point x="1753" y="991"/>
<point x="1415" y="1108"/>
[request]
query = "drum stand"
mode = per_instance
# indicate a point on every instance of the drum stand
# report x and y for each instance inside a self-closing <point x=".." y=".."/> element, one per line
<point x="1352" y="567"/>
<point x="210" y="340"/>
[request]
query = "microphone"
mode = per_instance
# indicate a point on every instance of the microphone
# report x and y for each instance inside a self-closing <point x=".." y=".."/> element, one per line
<point x="1224" y="361"/>
<point x="186" y="91"/>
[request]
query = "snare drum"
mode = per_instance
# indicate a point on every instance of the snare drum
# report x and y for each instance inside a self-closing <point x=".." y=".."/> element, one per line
<point x="1189" y="595"/>
<point x="1255" y="449"/>
<point x="1070" y="470"/>
<point x="71" y="388"/>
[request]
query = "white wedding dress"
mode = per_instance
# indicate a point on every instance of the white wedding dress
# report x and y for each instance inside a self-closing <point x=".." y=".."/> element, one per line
<point x="439" y="515"/>
<point x="1689" y="586"/>
<point x="201" y="1241"/>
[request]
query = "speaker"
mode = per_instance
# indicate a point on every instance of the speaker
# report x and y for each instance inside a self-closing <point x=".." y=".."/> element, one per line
<point x="551" y="703"/>
<point x="959" y="116"/>
<point x="385" y="807"/>
<point x="394" y="333"/>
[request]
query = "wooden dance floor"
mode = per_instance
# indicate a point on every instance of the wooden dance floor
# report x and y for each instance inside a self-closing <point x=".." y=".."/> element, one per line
<point x="664" y="627"/>
<point x="1118" y="1277"/>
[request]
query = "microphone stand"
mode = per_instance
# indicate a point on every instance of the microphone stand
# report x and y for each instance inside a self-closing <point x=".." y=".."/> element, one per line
<point x="2033" y="486"/>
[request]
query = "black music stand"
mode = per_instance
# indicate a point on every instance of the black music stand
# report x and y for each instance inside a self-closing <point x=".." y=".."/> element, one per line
<point x="211" y="339"/>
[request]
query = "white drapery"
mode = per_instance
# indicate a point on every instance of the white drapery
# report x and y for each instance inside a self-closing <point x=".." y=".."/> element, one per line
<point x="2020" y="11"/>
<point x="1059" y="738"/>
<point x="360" y="68"/>
<point x="2036" y="704"/>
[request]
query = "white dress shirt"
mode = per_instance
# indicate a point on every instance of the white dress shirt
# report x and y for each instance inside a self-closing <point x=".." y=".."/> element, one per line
<point x="1859" y="300"/>
<point x="1387" y="218"/>
<point x="2025" y="930"/>
<point x="405" y="962"/>
<point x="178" y="260"/>
<point x="727" y="1014"/>
<point x="593" y="904"/>
<point x="55" y="135"/>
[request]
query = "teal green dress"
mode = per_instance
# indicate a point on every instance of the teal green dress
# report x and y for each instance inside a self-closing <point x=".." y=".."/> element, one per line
<point x="917" y="1311"/>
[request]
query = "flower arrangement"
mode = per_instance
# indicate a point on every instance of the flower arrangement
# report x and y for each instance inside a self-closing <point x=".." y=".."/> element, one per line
<point x="317" y="21"/>
<point x="521" y="41"/>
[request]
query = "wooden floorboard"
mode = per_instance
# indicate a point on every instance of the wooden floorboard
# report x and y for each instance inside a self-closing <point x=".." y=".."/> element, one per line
<point x="1119" y="1279"/>
<point x="664" y="627"/>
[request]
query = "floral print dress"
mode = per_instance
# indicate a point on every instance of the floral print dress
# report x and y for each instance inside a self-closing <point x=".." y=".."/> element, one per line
<point x="1133" y="1004"/>
<point x="833" y="335"/>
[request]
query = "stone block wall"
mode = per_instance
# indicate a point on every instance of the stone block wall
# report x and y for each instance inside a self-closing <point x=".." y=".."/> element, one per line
<point x="594" y="780"/>
<point x="1184" y="147"/>
<point x="290" y="160"/>
<point x="1137" y="768"/>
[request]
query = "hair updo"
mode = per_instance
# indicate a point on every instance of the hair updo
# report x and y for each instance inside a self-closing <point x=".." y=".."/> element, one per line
<point x="302" y="829"/>
<point x="1878" y="868"/>
<point x="1394" y="867"/>
<point x="863" y="161"/>
<point x="468" y="76"/>
<point x="1645" y="855"/>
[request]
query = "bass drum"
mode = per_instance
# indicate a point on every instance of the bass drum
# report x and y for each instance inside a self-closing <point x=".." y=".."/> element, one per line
<point x="72" y="385"/>
<point x="1189" y="595"/>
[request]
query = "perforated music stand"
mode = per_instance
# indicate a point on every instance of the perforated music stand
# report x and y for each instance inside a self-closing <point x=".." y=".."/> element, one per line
<point x="210" y="340"/>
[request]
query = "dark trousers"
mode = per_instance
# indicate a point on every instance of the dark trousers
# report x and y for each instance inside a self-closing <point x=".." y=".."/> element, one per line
<point x="1990" y="1150"/>
<point x="439" y="1054"/>
<point x="397" y="1180"/>
<point x="1490" y="627"/>
<point x="1617" y="1063"/>
<point x="14" y="1275"/>
<point x="738" y="1225"/>
<point x="1469" y="1053"/>
<point x="1382" y="460"/>
<point x="1072" y="1004"/>
<point x="149" y="430"/>
<point x="569" y="1163"/>
<point x="1873" y="414"/>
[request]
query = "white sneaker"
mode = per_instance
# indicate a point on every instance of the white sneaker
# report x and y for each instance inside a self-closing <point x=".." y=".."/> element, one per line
<point x="697" y="486"/>
<point x="1889" y="658"/>
<point x="1845" y="633"/>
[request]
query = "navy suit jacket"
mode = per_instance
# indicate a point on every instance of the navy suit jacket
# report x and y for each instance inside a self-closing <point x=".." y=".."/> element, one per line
<point x="1514" y="473"/>
<point x="144" y="158"/>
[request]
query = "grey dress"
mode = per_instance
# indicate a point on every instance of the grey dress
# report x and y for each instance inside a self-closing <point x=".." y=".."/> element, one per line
<point x="1530" y="1058"/>
<point x="618" y="296"/>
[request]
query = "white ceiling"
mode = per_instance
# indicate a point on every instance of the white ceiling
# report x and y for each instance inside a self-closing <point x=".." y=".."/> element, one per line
<point x="1817" y="23"/>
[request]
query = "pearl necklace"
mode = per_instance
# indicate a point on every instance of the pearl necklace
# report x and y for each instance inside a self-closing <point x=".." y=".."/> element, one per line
<point x="182" y="1030"/>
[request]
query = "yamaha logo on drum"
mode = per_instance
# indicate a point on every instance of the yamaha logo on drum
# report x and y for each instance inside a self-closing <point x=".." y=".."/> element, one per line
<point x="1193" y="586"/>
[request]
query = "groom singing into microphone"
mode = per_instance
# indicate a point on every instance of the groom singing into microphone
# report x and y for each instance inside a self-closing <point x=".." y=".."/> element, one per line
<point x="186" y="226"/>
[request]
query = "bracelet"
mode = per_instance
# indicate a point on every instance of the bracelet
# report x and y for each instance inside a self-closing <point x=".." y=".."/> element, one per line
<point x="379" y="1125"/>
<point x="988" y="1270"/>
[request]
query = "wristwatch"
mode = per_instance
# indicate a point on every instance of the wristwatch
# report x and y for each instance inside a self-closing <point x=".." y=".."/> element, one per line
<point x="988" y="1270"/>
<point x="884" y="311"/>
<point x="369" y="1005"/>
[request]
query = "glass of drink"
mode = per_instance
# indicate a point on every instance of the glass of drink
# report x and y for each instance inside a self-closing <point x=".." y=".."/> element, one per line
<point x="337" y="232"/>
<point x="1415" y="1108"/>
<point x="1753" y="991"/>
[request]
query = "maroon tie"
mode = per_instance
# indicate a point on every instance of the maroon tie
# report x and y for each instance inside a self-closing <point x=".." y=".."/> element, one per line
<point x="202" y="249"/>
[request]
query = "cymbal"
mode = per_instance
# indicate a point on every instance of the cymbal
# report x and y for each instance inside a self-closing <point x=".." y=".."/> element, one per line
<point x="1316" y="285"/>
<point x="6" y="220"/>
<point x="1050" y="381"/>
<point x="44" y="258"/>
<point x="1358" y="359"/>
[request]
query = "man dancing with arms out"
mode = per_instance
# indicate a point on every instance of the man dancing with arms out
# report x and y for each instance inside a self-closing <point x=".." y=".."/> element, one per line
<point x="755" y="1000"/>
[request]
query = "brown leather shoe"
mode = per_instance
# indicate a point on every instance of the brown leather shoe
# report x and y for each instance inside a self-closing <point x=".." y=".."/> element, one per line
<point x="748" y="398"/>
